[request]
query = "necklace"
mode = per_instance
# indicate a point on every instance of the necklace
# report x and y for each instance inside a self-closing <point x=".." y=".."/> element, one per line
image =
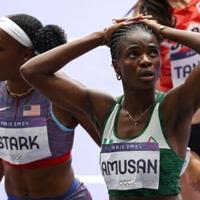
<point x="18" y="94"/>
<point x="136" y="120"/>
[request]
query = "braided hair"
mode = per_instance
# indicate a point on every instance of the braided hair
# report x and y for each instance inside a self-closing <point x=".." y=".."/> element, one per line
<point x="121" y="34"/>
<point x="43" y="38"/>
<point x="159" y="9"/>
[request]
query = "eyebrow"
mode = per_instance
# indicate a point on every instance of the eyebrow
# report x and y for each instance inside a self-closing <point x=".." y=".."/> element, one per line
<point x="154" y="46"/>
<point x="136" y="45"/>
<point x="131" y="47"/>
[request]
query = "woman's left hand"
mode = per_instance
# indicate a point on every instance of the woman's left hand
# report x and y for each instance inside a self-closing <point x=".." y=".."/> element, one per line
<point x="117" y="23"/>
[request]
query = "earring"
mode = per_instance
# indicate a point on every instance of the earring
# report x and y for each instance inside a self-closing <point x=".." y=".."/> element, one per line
<point x="118" y="77"/>
<point x="25" y="59"/>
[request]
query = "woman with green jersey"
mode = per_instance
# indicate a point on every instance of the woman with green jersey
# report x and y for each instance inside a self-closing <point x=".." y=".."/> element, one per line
<point x="144" y="133"/>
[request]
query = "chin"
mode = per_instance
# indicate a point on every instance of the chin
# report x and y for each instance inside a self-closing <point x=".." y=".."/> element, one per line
<point x="149" y="86"/>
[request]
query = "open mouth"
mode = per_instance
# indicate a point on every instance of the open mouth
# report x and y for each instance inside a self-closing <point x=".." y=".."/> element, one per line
<point x="147" y="75"/>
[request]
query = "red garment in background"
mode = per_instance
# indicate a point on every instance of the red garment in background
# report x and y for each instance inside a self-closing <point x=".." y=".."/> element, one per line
<point x="187" y="18"/>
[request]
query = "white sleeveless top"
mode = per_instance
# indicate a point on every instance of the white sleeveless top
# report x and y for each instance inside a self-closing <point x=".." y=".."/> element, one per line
<point x="132" y="163"/>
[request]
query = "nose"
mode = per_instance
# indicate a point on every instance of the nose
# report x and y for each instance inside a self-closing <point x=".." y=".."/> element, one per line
<point x="145" y="61"/>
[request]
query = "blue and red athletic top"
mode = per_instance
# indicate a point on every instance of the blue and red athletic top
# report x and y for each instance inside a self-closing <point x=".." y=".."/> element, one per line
<point x="30" y="134"/>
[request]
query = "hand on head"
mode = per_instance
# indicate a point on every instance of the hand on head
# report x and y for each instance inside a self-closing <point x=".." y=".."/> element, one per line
<point x="134" y="19"/>
<point x="150" y="22"/>
<point x="153" y="24"/>
<point x="117" y="23"/>
<point x="146" y="19"/>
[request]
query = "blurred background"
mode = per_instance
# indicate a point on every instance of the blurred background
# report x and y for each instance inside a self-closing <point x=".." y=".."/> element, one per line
<point x="78" y="18"/>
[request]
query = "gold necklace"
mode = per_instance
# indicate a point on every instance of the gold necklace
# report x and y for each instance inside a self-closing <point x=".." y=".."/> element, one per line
<point x="18" y="94"/>
<point x="135" y="120"/>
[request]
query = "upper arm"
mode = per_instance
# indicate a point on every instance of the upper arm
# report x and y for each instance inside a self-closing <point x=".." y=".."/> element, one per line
<point x="61" y="90"/>
<point x="72" y="96"/>
<point x="90" y="127"/>
<point x="177" y="109"/>
<point x="191" y="89"/>
<point x="185" y="99"/>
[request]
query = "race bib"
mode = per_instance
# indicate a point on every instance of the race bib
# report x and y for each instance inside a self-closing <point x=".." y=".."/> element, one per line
<point x="24" y="141"/>
<point x="183" y="59"/>
<point x="127" y="166"/>
<point x="182" y="63"/>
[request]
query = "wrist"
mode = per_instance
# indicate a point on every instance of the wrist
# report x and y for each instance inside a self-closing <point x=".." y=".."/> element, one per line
<point x="160" y="32"/>
<point x="98" y="38"/>
<point x="105" y="38"/>
<point x="102" y="38"/>
<point x="162" y="27"/>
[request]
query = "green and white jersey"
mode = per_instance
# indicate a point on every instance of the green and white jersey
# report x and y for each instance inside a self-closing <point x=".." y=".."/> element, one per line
<point x="142" y="166"/>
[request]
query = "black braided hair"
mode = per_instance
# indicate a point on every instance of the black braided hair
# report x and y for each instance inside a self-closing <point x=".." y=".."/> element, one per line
<point x="43" y="38"/>
<point x="159" y="9"/>
<point x="120" y="35"/>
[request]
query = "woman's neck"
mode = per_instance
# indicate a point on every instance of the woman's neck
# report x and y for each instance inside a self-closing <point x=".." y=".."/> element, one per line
<point x="179" y="3"/>
<point x="18" y="88"/>
<point x="137" y="102"/>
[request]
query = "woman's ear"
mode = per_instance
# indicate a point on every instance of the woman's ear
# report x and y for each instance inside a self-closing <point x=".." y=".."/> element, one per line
<point x="29" y="53"/>
<point x="113" y="62"/>
<point x="115" y="66"/>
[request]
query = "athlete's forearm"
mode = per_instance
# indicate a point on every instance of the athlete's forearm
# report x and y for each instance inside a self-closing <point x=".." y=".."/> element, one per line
<point x="187" y="38"/>
<point x="53" y="60"/>
<point x="191" y="39"/>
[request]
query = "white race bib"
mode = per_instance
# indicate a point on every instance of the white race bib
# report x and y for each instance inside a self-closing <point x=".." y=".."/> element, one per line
<point x="24" y="141"/>
<point x="183" y="59"/>
<point x="182" y="63"/>
<point x="127" y="166"/>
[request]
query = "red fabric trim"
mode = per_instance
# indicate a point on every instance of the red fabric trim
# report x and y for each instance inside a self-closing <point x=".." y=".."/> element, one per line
<point x="43" y="163"/>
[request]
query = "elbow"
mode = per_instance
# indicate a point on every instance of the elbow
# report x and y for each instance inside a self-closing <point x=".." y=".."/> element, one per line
<point x="28" y="72"/>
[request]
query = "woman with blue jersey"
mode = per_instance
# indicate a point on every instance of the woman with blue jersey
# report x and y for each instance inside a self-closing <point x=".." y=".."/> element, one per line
<point x="36" y="137"/>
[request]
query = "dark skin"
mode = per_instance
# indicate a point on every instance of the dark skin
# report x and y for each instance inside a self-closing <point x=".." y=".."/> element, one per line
<point x="142" y="52"/>
<point x="138" y="64"/>
<point x="191" y="178"/>
<point x="190" y="181"/>
<point x="50" y="181"/>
